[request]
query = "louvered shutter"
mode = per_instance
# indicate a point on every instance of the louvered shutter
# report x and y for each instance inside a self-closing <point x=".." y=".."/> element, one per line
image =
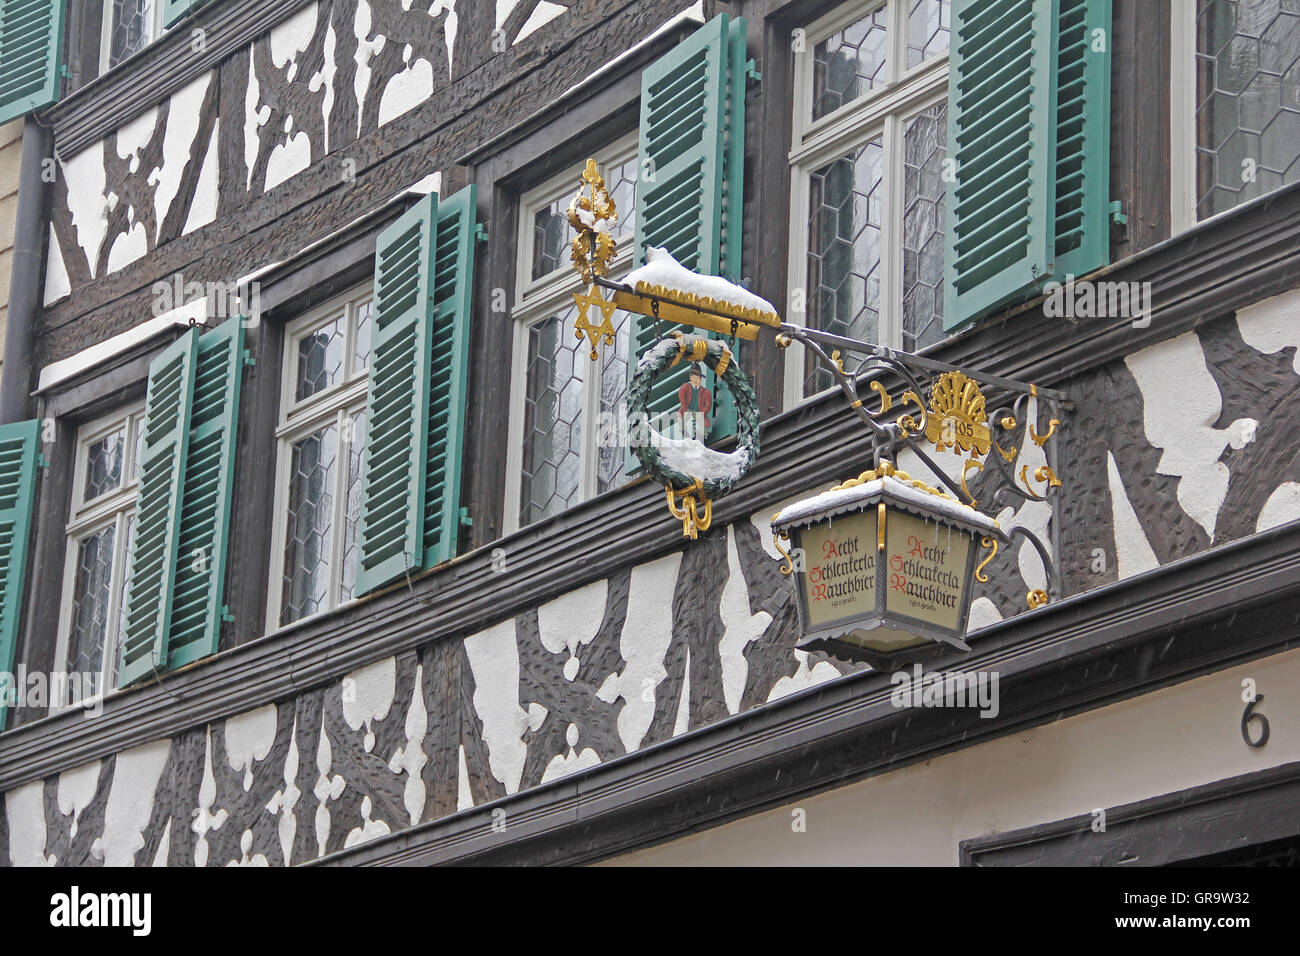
<point x="1000" y="135"/>
<point x="205" y="502"/>
<point x="1029" y="128"/>
<point x="395" y="460"/>
<point x="1082" y="238"/>
<point x="20" y="446"/>
<point x="453" y="272"/>
<point x="152" y="567"/>
<point x="691" y="176"/>
<point x="173" y="10"/>
<point x="31" y="48"/>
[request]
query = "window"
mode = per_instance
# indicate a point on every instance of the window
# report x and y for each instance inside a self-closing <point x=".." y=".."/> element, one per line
<point x="105" y="477"/>
<point x="870" y="133"/>
<point x="129" y="27"/>
<point x="564" y="441"/>
<point x="318" y="484"/>
<point x="1236" y="89"/>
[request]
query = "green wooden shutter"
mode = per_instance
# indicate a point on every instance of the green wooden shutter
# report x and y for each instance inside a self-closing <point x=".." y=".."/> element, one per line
<point x="31" y="55"/>
<point x="453" y="273"/>
<point x="1082" y="238"/>
<point x="397" y="403"/>
<point x="691" y="178"/>
<point x="20" y="446"/>
<point x="999" y="245"/>
<point x="205" y="502"/>
<point x="157" y="510"/>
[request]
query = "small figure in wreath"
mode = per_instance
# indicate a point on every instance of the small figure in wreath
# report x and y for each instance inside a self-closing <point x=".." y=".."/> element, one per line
<point x="694" y="403"/>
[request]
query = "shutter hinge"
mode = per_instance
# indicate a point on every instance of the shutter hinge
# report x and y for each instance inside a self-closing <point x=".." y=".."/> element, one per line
<point x="480" y="233"/>
<point x="42" y="461"/>
<point x="226" y="616"/>
<point x="248" y="357"/>
<point x="752" y="71"/>
<point x="64" y="71"/>
<point x="465" y="519"/>
<point x="1117" y="213"/>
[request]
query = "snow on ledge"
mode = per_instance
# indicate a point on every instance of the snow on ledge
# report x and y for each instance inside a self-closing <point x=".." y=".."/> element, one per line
<point x="662" y="269"/>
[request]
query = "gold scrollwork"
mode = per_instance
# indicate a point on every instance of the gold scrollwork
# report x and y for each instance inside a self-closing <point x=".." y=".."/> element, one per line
<point x="788" y="567"/>
<point x="1042" y="474"/>
<point x="1036" y="598"/>
<point x="886" y="403"/>
<point x="906" y="423"/>
<point x="1041" y="440"/>
<point x="957" y="419"/>
<point x="591" y="213"/>
<point x="965" y="468"/>
<point x="987" y="542"/>
<point x="688" y="511"/>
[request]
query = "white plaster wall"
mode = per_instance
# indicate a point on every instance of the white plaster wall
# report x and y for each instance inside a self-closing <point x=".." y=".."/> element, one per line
<point x="494" y="661"/>
<point x="1273" y="324"/>
<point x="1180" y="405"/>
<point x="643" y="644"/>
<point x="1162" y="742"/>
<point x="135" y="780"/>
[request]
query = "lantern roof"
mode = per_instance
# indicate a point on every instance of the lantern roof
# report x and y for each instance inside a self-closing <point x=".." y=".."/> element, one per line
<point x="898" y="489"/>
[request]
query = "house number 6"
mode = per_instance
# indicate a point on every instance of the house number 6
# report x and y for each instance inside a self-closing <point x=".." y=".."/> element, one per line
<point x="1247" y="717"/>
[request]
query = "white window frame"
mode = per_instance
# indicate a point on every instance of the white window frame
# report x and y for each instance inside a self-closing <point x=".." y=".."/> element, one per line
<point x="881" y="113"/>
<point x="1182" y="116"/>
<point x="537" y="300"/>
<point x="156" y="30"/>
<point x="300" y="418"/>
<point x="85" y="518"/>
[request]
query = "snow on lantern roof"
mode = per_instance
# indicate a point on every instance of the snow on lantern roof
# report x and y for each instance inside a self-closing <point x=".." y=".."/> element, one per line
<point x="894" y="487"/>
<point x="664" y="276"/>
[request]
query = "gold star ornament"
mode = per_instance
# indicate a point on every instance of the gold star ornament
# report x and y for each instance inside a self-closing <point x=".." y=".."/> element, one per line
<point x="583" y="325"/>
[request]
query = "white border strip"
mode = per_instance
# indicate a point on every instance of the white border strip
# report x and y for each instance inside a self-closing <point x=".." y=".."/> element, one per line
<point x="191" y="313"/>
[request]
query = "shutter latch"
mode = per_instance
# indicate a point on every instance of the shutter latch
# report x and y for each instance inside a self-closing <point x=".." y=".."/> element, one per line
<point x="480" y="233"/>
<point x="226" y="616"/>
<point x="1117" y="213"/>
<point x="465" y="519"/>
<point x="248" y="357"/>
<point x="42" y="462"/>
<point x="752" y="71"/>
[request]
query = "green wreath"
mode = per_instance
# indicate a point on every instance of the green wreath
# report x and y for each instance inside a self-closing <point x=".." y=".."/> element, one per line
<point x="661" y="456"/>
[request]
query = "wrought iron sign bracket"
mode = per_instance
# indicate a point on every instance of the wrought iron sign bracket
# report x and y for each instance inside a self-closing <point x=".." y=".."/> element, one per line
<point x="955" y="419"/>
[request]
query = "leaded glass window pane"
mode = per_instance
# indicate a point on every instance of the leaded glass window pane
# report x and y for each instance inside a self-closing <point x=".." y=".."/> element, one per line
<point x="927" y="30"/>
<point x="924" y="149"/>
<point x="104" y="459"/>
<point x="131" y="29"/>
<point x="612" y="454"/>
<point x="310" y="522"/>
<point x="361" y="347"/>
<point x="844" y="251"/>
<point x="320" y="359"/>
<point x="557" y="364"/>
<point x="92" y="593"/>
<point x="849" y="63"/>
<point x="1248" y="100"/>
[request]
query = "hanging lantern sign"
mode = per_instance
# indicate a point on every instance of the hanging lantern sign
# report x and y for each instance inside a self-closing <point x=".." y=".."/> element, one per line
<point x="886" y="567"/>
